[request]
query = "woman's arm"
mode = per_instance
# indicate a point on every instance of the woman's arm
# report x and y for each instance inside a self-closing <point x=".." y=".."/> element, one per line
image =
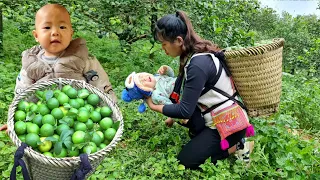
<point x="199" y="71"/>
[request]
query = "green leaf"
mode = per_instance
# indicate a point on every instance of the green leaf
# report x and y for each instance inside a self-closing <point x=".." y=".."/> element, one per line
<point x="116" y="125"/>
<point x="30" y="116"/>
<point x="51" y="138"/>
<point x="68" y="143"/>
<point x="65" y="134"/>
<point x="67" y="106"/>
<point x="58" y="147"/>
<point x="79" y="146"/>
<point x="49" y="94"/>
<point x="54" y="86"/>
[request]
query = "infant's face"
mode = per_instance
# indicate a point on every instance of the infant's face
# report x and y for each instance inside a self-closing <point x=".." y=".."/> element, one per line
<point x="53" y="30"/>
<point x="147" y="80"/>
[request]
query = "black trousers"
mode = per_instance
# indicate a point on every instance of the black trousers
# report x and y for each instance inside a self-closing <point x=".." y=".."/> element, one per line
<point x="204" y="143"/>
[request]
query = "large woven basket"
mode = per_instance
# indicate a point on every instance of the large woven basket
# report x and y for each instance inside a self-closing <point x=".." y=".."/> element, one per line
<point x="48" y="168"/>
<point x="257" y="73"/>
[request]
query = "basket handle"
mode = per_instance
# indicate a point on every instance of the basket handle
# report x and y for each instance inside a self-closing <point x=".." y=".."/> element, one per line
<point x="19" y="162"/>
<point x="85" y="168"/>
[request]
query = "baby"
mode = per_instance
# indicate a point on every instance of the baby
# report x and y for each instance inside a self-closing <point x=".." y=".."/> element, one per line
<point x="159" y="87"/>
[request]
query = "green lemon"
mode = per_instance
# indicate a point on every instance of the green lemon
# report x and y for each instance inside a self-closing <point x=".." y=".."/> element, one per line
<point x="89" y="124"/>
<point x="72" y="93"/>
<point x="102" y="145"/>
<point x="78" y="137"/>
<point x="64" y="110"/>
<point x="80" y="101"/>
<point x="89" y="107"/>
<point x="33" y="128"/>
<point x="90" y="148"/>
<point x="43" y="109"/>
<point x="23" y="106"/>
<point x="49" y="154"/>
<point x="63" y="98"/>
<point x="45" y="145"/>
<point x="96" y="138"/>
<point x="33" y="108"/>
<point x="32" y="139"/>
<point x="62" y="154"/>
<point x="48" y="119"/>
<point x="52" y="103"/>
<point x="19" y="115"/>
<point x="65" y="88"/>
<point x="93" y="99"/>
<point x="37" y="119"/>
<point x="56" y="93"/>
<point x="20" y="127"/>
<point x="106" y="123"/>
<point x="80" y="126"/>
<point x="74" y="103"/>
<point x="46" y="130"/>
<point x="22" y="137"/>
<point x="110" y="133"/>
<point x="100" y="133"/>
<point x="105" y="111"/>
<point x="57" y="113"/>
<point x="83" y="116"/>
<point x="95" y="116"/>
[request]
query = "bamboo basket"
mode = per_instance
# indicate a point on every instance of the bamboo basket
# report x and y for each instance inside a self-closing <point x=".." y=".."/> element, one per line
<point x="41" y="167"/>
<point x="257" y="74"/>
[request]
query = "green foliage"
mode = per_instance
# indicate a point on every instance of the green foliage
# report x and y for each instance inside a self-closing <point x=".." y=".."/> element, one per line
<point x="301" y="106"/>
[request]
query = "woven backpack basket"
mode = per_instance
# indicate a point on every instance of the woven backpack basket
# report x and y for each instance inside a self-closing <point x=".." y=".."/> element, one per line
<point x="41" y="167"/>
<point x="257" y="74"/>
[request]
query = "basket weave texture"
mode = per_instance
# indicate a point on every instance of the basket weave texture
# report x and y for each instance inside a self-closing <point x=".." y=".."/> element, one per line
<point x="257" y="74"/>
<point x="42" y="167"/>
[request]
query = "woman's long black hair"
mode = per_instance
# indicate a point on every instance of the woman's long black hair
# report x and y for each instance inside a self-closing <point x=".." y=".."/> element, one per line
<point x="171" y="26"/>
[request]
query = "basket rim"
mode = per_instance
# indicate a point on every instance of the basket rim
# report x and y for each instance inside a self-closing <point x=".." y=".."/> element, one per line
<point x="256" y="50"/>
<point x="68" y="160"/>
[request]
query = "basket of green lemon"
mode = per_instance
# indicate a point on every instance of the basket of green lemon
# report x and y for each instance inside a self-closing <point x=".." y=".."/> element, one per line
<point x="60" y="119"/>
<point x="257" y="73"/>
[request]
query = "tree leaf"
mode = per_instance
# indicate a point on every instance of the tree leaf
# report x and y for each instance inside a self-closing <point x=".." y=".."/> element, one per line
<point x="58" y="147"/>
<point x="49" y="94"/>
<point x="64" y="134"/>
<point x="116" y="125"/>
<point x="68" y="143"/>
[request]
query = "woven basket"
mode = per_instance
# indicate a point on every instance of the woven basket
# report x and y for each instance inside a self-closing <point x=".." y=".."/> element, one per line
<point x="48" y="168"/>
<point x="257" y="73"/>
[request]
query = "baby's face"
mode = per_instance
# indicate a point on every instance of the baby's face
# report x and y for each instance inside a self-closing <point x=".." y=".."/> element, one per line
<point x="147" y="80"/>
<point x="53" y="30"/>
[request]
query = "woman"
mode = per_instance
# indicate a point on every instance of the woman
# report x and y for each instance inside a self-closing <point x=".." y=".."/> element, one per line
<point x="176" y="34"/>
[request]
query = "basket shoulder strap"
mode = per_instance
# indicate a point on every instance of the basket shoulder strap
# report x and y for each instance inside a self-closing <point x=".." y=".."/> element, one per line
<point x="84" y="169"/>
<point x="19" y="162"/>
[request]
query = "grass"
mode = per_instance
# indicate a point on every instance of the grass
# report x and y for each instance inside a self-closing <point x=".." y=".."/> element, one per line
<point x="148" y="149"/>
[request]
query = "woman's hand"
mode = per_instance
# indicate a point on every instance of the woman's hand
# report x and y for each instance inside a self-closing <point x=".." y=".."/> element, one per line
<point x="163" y="69"/>
<point x="169" y="122"/>
<point x="152" y="106"/>
<point x="4" y="127"/>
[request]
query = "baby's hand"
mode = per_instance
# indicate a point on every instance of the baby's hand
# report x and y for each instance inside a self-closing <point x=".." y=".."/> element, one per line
<point x="169" y="122"/>
<point x="163" y="69"/>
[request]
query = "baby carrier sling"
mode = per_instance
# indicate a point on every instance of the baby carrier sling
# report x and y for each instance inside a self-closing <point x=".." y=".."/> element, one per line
<point x="238" y="120"/>
<point x="175" y="95"/>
